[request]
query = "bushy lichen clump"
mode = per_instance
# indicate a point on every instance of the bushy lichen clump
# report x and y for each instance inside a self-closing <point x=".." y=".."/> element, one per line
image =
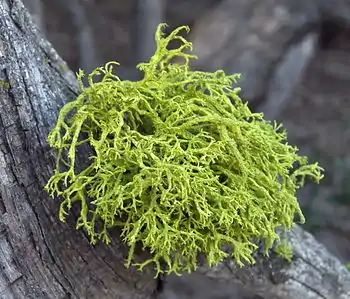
<point x="180" y="163"/>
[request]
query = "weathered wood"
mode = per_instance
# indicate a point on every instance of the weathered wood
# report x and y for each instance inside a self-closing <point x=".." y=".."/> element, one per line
<point x="312" y="274"/>
<point x="36" y="9"/>
<point x="41" y="257"/>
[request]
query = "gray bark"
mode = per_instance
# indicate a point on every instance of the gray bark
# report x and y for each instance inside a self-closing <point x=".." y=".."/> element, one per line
<point x="41" y="257"/>
<point x="312" y="274"/>
<point x="36" y="10"/>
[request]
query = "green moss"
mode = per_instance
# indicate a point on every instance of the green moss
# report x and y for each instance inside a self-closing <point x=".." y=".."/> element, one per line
<point x="180" y="163"/>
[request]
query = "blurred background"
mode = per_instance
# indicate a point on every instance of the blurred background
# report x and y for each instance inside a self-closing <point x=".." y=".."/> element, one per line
<point x="294" y="57"/>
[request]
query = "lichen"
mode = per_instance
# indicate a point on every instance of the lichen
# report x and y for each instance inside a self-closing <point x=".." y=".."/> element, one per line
<point x="5" y="84"/>
<point x="179" y="162"/>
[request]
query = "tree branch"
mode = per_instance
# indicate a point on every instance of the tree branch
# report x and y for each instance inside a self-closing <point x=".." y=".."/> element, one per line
<point x="41" y="257"/>
<point x="313" y="273"/>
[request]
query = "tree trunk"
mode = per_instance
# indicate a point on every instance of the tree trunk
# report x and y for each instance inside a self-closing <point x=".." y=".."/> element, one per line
<point x="41" y="257"/>
<point x="312" y="274"/>
<point x="36" y="9"/>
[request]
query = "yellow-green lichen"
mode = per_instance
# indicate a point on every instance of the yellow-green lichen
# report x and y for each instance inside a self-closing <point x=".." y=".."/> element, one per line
<point x="347" y="266"/>
<point x="5" y="84"/>
<point x="180" y="163"/>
